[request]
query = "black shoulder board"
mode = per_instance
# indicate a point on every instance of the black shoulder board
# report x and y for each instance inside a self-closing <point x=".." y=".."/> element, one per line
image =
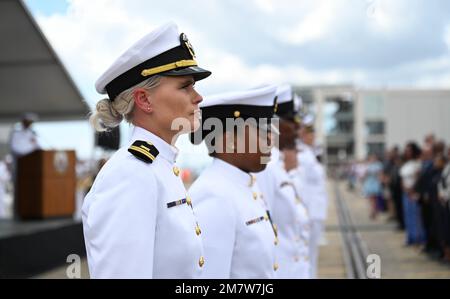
<point x="144" y="150"/>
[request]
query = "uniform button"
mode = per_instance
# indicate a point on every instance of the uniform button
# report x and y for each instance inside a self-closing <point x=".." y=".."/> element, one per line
<point x="189" y="201"/>
<point x="266" y="217"/>
<point x="276" y="241"/>
<point x="252" y="180"/>
<point x="297" y="199"/>
<point x="275" y="267"/>
<point x="201" y="261"/>
<point x="237" y="113"/>
<point x="255" y="195"/>
<point x="198" y="231"/>
<point x="176" y="171"/>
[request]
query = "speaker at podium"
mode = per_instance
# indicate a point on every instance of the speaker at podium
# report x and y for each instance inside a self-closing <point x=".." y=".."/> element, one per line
<point x="46" y="182"/>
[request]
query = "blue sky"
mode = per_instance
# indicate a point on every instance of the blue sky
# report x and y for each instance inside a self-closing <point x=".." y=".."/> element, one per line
<point x="47" y="7"/>
<point x="368" y="43"/>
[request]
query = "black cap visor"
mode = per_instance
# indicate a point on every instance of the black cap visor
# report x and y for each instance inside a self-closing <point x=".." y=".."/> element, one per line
<point x="197" y="72"/>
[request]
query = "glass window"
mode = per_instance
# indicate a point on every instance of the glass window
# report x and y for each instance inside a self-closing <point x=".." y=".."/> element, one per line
<point x="376" y="148"/>
<point x="374" y="106"/>
<point x="375" y="127"/>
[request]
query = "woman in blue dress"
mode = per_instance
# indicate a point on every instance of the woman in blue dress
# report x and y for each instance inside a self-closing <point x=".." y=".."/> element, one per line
<point x="372" y="185"/>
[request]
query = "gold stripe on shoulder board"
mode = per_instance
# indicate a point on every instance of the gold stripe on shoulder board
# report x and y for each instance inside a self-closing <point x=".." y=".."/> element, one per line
<point x="142" y="151"/>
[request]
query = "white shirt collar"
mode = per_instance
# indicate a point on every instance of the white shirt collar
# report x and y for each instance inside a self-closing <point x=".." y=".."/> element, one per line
<point x="276" y="154"/>
<point x="233" y="173"/>
<point x="166" y="150"/>
<point x="303" y="146"/>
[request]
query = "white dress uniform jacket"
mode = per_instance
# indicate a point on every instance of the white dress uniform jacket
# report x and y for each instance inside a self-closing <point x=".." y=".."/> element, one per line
<point x="290" y="216"/>
<point x="23" y="141"/>
<point x="311" y="183"/>
<point x="138" y="219"/>
<point x="239" y="239"/>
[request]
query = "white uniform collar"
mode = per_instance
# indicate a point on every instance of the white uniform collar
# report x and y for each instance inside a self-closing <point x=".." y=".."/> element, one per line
<point x="276" y="154"/>
<point x="166" y="150"/>
<point x="304" y="146"/>
<point x="234" y="174"/>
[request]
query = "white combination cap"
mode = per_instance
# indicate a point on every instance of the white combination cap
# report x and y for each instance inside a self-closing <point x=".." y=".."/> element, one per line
<point x="298" y="103"/>
<point x="30" y="116"/>
<point x="284" y="93"/>
<point x="261" y="96"/>
<point x="163" y="51"/>
<point x="285" y="107"/>
<point x="308" y="121"/>
<point x="257" y="103"/>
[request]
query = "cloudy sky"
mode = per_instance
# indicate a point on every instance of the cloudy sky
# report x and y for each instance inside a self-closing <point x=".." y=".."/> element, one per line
<point x="368" y="43"/>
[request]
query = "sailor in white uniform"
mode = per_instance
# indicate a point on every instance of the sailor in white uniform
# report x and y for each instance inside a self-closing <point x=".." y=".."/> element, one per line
<point x="311" y="183"/>
<point x="23" y="139"/>
<point x="239" y="238"/>
<point x="138" y="219"/>
<point x="288" y="211"/>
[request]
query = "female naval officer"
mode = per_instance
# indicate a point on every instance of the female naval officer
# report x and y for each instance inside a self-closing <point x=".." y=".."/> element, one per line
<point x="287" y="209"/>
<point x="137" y="218"/>
<point x="239" y="238"/>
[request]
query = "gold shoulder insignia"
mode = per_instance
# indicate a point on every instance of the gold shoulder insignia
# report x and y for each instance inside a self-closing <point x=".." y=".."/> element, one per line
<point x="144" y="150"/>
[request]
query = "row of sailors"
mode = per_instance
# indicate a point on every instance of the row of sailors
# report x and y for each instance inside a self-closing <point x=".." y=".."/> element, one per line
<point x="241" y="218"/>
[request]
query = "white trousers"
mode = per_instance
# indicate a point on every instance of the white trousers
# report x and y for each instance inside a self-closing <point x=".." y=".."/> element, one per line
<point x="315" y="235"/>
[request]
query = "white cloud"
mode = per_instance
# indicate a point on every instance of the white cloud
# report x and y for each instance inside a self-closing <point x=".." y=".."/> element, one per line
<point x="246" y="43"/>
<point x="389" y="17"/>
<point x="266" y="6"/>
<point x="314" y="26"/>
<point x="447" y="36"/>
<point x="91" y="34"/>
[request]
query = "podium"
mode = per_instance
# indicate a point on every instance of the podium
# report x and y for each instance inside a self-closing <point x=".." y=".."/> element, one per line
<point x="46" y="182"/>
